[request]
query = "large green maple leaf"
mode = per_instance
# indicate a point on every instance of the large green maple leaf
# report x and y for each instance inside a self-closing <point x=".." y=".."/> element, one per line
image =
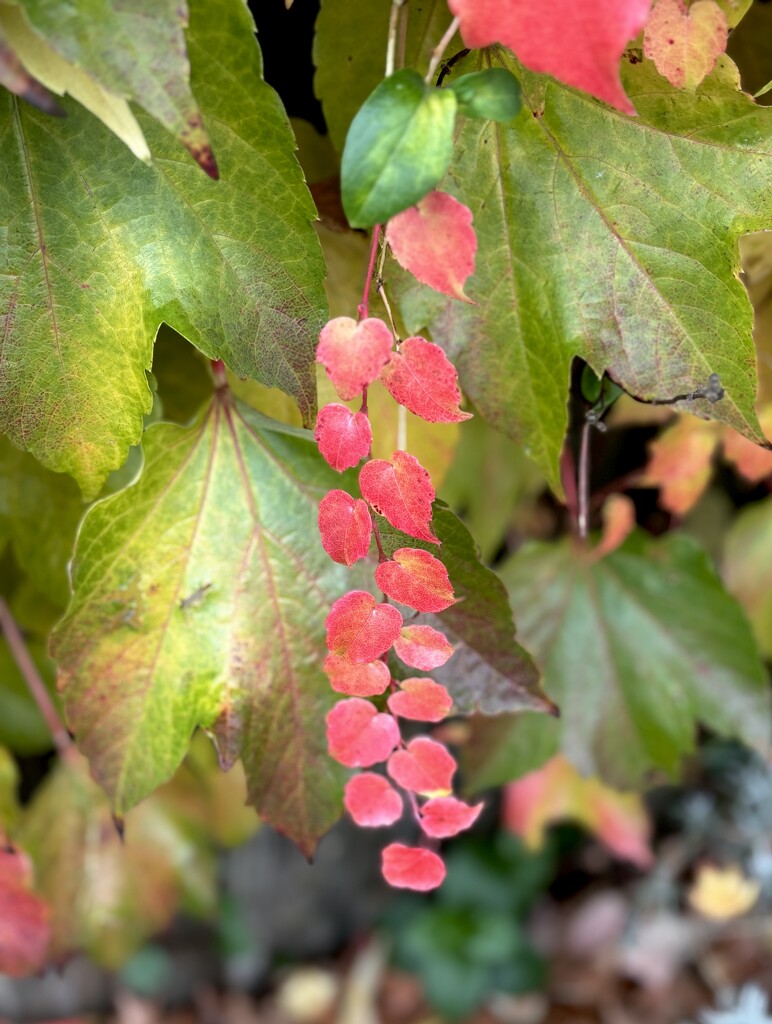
<point x="611" y="238"/>
<point x="98" y="249"/>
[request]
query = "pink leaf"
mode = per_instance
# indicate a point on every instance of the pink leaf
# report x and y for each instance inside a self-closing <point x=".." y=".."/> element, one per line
<point x="353" y="353"/>
<point x="371" y="801"/>
<point x="412" y="867"/>
<point x="422" y="647"/>
<point x="357" y="680"/>
<point x="345" y="526"/>
<point x="436" y="243"/>
<point x="684" y="43"/>
<point x="422" y="378"/>
<point x="425" y="767"/>
<point x="579" y="42"/>
<point x="402" y="492"/>
<point x="24" y="917"/>
<point x="344" y="437"/>
<point x="423" y="700"/>
<point x="416" y="578"/>
<point x="360" y="629"/>
<point x="358" y="735"/>
<point x="445" y="816"/>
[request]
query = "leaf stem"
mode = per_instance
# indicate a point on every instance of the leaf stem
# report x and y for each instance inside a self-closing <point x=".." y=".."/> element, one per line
<point x="391" y="44"/>
<point x="35" y="684"/>
<point x="440" y="49"/>
<point x="219" y="374"/>
<point x="363" y="309"/>
<point x="583" y="482"/>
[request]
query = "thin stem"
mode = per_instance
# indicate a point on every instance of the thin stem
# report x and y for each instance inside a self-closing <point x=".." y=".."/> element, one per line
<point x="382" y="556"/>
<point x="391" y="44"/>
<point x="219" y="374"/>
<point x="401" y="428"/>
<point x="363" y="308"/>
<point x="35" y="684"/>
<point x="440" y="49"/>
<point x="402" y="41"/>
<point x="583" y="482"/>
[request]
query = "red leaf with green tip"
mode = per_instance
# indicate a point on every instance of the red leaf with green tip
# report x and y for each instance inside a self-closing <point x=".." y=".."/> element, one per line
<point x="423" y="700"/>
<point x="371" y="801"/>
<point x="353" y="354"/>
<point x="435" y="241"/>
<point x="345" y="526"/>
<point x="412" y="867"/>
<point x="358" y="735"/>
<point x="444" y="816"/>
<point x="344" y="437"/>
<point x="422" y="647"/>
<point x="579" y="42"/>
<point x="416" y="578"/>
<point x="402" y="492"/>
<point x="425" y="767"/>
<point x="360" y="629"/>
<point x="357" y="680"/>
<point x="422" y="378"/>
<point x="24" y="930"/>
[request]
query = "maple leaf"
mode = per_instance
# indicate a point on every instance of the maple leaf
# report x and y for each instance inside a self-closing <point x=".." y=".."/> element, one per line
<point x="422" y="378"/>
<point x="401" y="491"/>
<point x="416" y="578"/>
<point x="369" y="679"/>
<point x="421" y="699"/>
<point x="371" y="801"/>
<point x="352" y="353"/>
<point x="685" y="42"/>
<point x="423" y="647"/>
<point x="579" y="42"/>
<point x="24" y="928"/>
<point x="360" y="629"/>
<point x="445" y="816"/>
<point x="424" y="766"/>
<point x="412" y="867"/>
<point x="435" y="242"/>
<point x="358" y="735"/>
<point x="344" y="437"/>
<point x="345" y="527"/>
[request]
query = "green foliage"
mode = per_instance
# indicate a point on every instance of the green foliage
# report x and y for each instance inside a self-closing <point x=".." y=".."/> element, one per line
<point x="492" y="94"/>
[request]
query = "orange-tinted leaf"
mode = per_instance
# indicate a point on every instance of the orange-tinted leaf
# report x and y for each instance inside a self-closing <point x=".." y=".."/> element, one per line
<point x="357" y="680"/>
<point x="24" y="929"/>
<point x="422" y="378"/>
<point x="423" y="700"/>
<point x="681" y="462"/>
<point x="416" y="578"/>
<point x="358" y="735"/>
<point x="749" y="459"/>
<point x="435" y="242"/>
<point x="412" y="867"/>
<point x="352" y="353"/>
<point x="425" y="767"/>
<point x="684" y="43"/>
<point x="372" y="801"/>
<point x="579" y="42"/>
<point x="345" y="527"/>
<point x="402" y="492"/>
<point x="445" y="816"/>
<point x="344" y="437"/>
<point x="360" y="629"/>
<point x="618" y="524"/>
<point x="422" y="647"/>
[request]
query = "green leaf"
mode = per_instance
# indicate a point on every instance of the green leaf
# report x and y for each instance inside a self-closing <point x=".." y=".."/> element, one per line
<point x="397" y="148"/>
<point x="350" y="52"/>
<point x="637" y="648"/>
<point x="200" y="595"/>
<point x="748" y="568"/>
<point x="492" y="94"/>
<point x="489" y="671"/>
<point x="506" y="747"/>
<point x="134" y="51"/>
<point x="104" y="248"/>
<point x="611" y="238"/>
<point x="9" y="784"/>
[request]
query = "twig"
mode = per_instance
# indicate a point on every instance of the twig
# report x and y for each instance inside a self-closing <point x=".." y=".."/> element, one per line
<point x="440" y="49"/>
<point x="583" y="482"/>
<point x="391" y="45"/>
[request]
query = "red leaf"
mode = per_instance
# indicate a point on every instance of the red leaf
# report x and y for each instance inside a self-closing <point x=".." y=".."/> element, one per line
<point x="358" y="735"/>
<point x="353" y="353"/>
<point x="579" y="42"/>
<point x="412" y="867"/>
<point x="416" y="578"/>
<point x="344" y="437"/>
<point x="422" y="378"/>
<point x="371" y="801"/>
<point x="360" y="629"/>
<point x="436" y="243"/>
<point x="423" y="700"/>
<point x="422" y="647"/>
<point x="345" y="526"/>
<point x="357" y="680"/>
<point x="445" y="816"/>
<point x="425" y="767"/>
<point x="24" y="930"/>
<point x="402" y="492"/>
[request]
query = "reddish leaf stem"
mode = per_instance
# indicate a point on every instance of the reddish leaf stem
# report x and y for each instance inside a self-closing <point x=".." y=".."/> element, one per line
<point x="363" y="310"/>
<point x="35" y="684"/>
<point x="219" y="374"/>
